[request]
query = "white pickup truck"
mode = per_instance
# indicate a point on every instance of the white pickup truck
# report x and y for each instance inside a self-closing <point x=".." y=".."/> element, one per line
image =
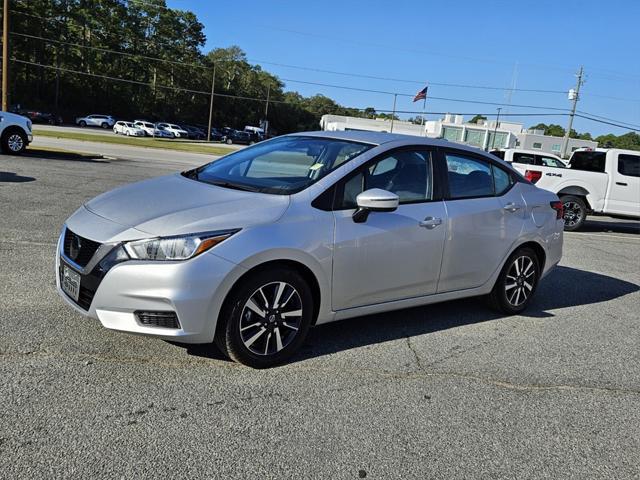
<point x="601" y="181"/>
<point x="15" y="133"/>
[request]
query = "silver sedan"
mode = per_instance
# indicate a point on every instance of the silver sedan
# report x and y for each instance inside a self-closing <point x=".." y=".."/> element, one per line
<point x="249" y="251"/>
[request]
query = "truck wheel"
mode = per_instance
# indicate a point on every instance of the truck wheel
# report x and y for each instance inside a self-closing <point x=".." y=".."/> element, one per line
<point x="575" y="212"/>
<point x="13" y="141"/>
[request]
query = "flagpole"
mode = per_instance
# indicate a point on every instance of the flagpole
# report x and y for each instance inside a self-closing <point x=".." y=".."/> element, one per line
<point x="393" y="114"/>
<point x="424" y="107"/>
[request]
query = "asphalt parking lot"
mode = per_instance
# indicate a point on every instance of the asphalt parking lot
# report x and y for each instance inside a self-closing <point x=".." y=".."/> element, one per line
<point x="446" y="391"/>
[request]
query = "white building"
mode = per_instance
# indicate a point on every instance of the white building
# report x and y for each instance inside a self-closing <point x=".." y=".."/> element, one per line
<point x="537" y="140"/>
<point x="451" y="127"/>
<point x="454" y="128"/>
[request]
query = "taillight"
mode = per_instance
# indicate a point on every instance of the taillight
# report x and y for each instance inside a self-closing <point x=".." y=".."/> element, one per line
<point x="533" y="175"/>
<point x="559" y="208"/>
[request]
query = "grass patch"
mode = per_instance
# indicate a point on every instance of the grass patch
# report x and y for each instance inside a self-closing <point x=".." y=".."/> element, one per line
<point x="165" y="144"/>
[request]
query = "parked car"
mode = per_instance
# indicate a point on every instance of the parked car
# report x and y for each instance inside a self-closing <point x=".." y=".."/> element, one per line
<point x="251" y="250"/>
<point x="601" y="181"/>
<point x="15" y="133"/>
<point x="242" y="138"/>
<point x="176" y="130"/>
<point x="150" y="129"/>
<point x="194" y="133"/>
<point x="217" y="135"/>
<point x="37" y="116"/>
<point x="520" y="158"/>
<point x="103" y="121"/>
<point x="163" y="132"/>
<point x="128" y="128"/>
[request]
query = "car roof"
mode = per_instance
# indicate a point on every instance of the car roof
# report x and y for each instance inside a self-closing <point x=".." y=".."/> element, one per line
<point x="379" y="138"/>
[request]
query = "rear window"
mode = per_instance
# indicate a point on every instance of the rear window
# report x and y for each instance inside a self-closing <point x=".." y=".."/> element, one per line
<point x="629" y="165"/>
<point x="588" y="161"/>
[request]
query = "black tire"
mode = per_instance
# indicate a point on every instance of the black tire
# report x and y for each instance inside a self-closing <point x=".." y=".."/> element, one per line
<point x="104" y="125"/>
<point x="82" y="123"/>
<point x="13" y="141"/>
<point x="515" y="282"/>
<point x="278" y="333"/>
<point x="575" y="212"/>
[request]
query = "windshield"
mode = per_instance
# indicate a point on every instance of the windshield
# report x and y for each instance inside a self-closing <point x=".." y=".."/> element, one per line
<point x="283" y="165"/>
<point x="175" y="127"/>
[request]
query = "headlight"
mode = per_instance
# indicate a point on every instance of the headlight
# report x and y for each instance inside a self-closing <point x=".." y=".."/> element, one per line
<point x="175" y="248"/>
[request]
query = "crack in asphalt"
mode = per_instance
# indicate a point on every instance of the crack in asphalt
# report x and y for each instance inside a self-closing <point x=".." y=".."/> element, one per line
<point x="422" y="372"/>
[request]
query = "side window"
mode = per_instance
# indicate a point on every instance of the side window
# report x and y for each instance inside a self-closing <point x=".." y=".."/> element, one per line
<point x="629" y="165"/>
<point x="526" y="158"/>
<point x="408" y="174"/>
<point x="547" y="161"/>
<point x="501" y="179"/>
<point x="468" y="177"/>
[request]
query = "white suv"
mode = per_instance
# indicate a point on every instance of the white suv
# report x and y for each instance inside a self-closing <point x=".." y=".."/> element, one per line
<point x="128" y="129"/>
<point x="15" y="133"/>
<point x="104" y="121"/>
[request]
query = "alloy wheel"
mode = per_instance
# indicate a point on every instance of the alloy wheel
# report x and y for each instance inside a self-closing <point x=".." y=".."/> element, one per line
<point x="271" y="318"/>
<point x="572" y="213"/>
<point x="520" y="280"/>
<point x="15" y="142"/>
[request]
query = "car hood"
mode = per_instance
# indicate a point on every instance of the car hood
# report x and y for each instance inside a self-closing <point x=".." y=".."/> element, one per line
<point x="174" y="205"/>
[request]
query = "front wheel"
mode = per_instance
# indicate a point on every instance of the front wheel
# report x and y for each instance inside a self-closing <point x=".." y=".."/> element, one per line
<point x="267" y="318"/>
<point x="82" y="123"/>
<point x="228" y="141"/>
<point x="516" y="283"/>
<point x="575" y="212"/>
<point x="13" y="142"/>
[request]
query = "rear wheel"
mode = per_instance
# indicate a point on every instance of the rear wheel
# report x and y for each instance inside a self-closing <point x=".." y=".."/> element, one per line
<point x="228" y="141"/>
<point x="575" y="212"/>
<point x="104" y="125"/>
<point x="267" y="318"/>
<point x="516" y="283"/>
<point x="13" y="141"/>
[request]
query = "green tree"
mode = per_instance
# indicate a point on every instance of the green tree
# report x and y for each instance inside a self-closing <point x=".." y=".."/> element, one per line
<point x="476" y="118"/>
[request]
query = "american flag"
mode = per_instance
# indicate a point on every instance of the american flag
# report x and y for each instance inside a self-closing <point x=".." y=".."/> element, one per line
<point x="421" y="95"/>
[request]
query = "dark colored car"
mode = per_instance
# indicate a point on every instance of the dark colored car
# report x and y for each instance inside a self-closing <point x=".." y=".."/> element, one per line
<point x="37" y="116"/>
<point x="217" y="135"/>
<point x="242" y="138"/>
<point x="195" y="133"/>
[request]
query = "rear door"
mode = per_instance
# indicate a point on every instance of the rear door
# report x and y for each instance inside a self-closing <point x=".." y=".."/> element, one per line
<point x="485" y="217"/>
<point x="624" y="196"/>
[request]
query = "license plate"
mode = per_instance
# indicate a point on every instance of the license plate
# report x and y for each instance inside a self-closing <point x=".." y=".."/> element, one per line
<point x="70" y="282"/>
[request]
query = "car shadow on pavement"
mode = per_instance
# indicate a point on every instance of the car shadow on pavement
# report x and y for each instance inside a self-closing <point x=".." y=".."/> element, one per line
<point x="564" y="287"/>
<point x="63" y="155"/>
<point x="10" y="177"/>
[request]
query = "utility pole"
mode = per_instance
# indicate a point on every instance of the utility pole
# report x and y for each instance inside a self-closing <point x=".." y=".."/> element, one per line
<point x="393" y="113"/>
<point x="266" y="111"/>
<point x="575" y="96"/>
<point x="5" y="56"/>
<point x="213" y="88"/>
<point x="495" y="130"/>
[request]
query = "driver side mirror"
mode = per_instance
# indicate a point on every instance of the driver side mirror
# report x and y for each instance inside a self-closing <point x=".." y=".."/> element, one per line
<point x="374" y="200"/>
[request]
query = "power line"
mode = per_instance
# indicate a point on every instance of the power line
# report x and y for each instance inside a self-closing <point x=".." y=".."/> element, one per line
<point x="608" y="123"/>
<point x="417" y="82"/>
<point x="606" y="118"/>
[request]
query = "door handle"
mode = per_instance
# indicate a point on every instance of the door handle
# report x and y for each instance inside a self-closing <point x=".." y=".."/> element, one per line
<point x="622" y="184"/>
<point x="430" y="222"/>
<point x="511" y="207"/>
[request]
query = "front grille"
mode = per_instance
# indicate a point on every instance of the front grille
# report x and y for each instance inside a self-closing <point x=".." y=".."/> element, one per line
<point x="158" y="319"/>
<point x="79" y="249"/>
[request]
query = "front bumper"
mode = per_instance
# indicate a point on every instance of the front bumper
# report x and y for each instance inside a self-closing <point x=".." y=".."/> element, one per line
<point x="187" y="288"/>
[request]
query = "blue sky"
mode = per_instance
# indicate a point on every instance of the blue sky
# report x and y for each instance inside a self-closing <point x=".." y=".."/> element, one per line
<point x="539" y="44"/>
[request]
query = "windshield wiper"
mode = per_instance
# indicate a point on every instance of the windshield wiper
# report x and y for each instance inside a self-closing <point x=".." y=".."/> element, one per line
<point x="235" y="186"/>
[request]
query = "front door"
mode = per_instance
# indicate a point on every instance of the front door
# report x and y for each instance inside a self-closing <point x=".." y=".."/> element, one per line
<point x="393" y="255"/>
